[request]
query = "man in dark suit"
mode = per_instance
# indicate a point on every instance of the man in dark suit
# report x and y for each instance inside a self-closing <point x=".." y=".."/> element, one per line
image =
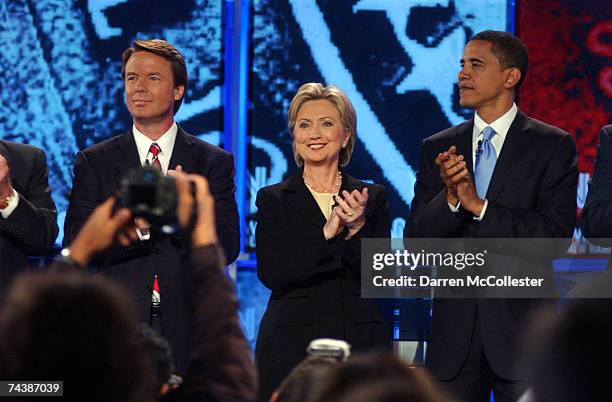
<point x="597" y="211"/>
<point x="596" y="219"/>
<point x="155" y="78"/>
<point x="500" y="174"/>
<point x="28" y="220"/>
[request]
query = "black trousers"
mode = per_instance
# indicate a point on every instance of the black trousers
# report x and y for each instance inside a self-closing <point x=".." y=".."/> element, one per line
<point x="477" y="379"/>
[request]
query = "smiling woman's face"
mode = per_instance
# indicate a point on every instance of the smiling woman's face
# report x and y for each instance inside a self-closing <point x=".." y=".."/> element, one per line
<point x="318" y="134"/>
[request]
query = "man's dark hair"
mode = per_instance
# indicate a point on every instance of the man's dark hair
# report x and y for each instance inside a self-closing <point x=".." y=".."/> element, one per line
<point x="569" y="355"/>
<point x="160" y="351"/>
<point x="394" y="390"/>
<point x="509" y="50"/>
<point x="163" y="49"/>
<point x="304" y="379"/>
<point x="78" y="329"/>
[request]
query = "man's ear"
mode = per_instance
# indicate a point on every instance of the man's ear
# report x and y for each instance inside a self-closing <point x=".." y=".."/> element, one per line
<point x="514" y="76"/>
<point x="179" y="92"/>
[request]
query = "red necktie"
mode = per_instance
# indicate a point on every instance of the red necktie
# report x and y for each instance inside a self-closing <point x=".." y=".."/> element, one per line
<point x="155" y="150"/>
<point x="155" y="299"/>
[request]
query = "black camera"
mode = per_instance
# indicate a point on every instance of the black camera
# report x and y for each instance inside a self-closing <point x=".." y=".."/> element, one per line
<point x="148" y="194"/>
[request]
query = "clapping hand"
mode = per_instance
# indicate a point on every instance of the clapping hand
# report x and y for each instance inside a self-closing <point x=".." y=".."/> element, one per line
<point x="349" y="213"/>
<point x="453" y="169"/>
<point x="458" y="181"/>
<point x="5" y="179"/>
<point x="351" y="209"/>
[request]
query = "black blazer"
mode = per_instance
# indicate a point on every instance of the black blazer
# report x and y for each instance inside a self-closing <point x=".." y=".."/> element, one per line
<point x="32" y="227"/>
<point x="596" y="220"/>
<point x="532" y="193"/>
<point x="597" y="211"/>
<point x="97" y="173"/>
<point x="315" y="283"/>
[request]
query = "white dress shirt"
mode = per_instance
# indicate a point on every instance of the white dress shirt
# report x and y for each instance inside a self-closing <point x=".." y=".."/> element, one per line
<point x="165" y="142"/>
<point x="501" y="127"/>
<point x="12" y="205"/>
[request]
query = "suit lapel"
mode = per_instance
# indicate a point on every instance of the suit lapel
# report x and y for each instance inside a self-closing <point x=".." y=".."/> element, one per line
<point x="301" y="200"/>
<point x="515" y="143"/>
<point x="183" y="153"/>
<point x="125" y="155"/>
<point x="463" y="141"/>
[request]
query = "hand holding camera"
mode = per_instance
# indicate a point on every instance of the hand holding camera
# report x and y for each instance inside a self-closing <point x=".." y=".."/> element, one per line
<point x="200" y="203"/>
<point x="180" y="198"/>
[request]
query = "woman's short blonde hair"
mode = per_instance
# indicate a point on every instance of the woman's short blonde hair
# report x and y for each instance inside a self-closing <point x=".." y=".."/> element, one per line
<point x="315" y="91"/>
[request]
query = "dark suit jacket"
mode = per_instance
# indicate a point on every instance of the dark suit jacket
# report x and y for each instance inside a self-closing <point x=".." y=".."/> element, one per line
<point x="97" y="173"/>
<point x="315" y="283"/>
<point x="532" y="193"/>
<point x="597" y="211"/>
<point x="32" y="227"/>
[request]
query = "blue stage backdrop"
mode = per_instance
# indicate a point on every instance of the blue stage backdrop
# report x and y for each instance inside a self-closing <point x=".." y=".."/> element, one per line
<point x="60" y="72"/>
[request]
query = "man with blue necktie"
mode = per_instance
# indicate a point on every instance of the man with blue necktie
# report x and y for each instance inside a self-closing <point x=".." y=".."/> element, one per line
<point x="501" y="174"/>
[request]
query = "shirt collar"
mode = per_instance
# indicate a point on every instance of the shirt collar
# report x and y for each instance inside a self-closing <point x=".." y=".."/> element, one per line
<point x="165" y="142"/>
<point x="501" y="125"/>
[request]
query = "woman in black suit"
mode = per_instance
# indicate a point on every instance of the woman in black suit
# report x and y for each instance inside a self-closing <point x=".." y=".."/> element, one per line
<point x="309" y="230"/>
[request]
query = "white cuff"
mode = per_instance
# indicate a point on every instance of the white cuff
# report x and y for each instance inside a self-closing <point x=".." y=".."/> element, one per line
<point x="454" y="208"/>
<point x="141" y="236"/>
<point x="482" y="213"/>
<point x="12" y="205"/>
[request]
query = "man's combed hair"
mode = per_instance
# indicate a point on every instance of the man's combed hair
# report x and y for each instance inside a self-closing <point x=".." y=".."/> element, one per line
<point x="163" y="49"/>
<point x="509" y="50"/>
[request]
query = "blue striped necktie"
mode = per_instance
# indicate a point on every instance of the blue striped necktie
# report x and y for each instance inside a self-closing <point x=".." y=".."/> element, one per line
<point x="485" y="162"/>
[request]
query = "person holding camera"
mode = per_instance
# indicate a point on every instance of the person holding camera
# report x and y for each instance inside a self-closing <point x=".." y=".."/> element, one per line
<point x="309" y="231"/>
<point x="155" y="80"/>
<point x="89" y="337"/>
